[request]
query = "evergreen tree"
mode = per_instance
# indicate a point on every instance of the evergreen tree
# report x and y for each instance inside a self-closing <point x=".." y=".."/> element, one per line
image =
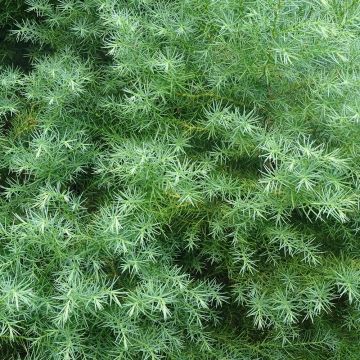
<point x="180" y="179"/>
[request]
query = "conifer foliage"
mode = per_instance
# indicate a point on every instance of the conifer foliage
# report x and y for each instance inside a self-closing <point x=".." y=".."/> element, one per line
<point x="180" y="179"/>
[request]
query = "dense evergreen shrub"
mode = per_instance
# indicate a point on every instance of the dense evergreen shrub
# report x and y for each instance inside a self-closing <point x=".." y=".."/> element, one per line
<point x="180" y="179"/>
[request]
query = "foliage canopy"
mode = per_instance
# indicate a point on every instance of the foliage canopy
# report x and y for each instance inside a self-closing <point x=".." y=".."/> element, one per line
<point x="179" y="179"/>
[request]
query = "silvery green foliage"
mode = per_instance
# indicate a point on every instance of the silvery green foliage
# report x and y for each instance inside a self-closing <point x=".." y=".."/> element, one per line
<point x="179" y="180"/>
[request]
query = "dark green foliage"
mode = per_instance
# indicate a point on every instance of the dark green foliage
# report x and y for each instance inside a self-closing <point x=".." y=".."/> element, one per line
<point x="180" y="179"/>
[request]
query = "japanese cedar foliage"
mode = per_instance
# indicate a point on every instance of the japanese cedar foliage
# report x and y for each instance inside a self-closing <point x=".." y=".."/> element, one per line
<point x="180" y="179"/>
